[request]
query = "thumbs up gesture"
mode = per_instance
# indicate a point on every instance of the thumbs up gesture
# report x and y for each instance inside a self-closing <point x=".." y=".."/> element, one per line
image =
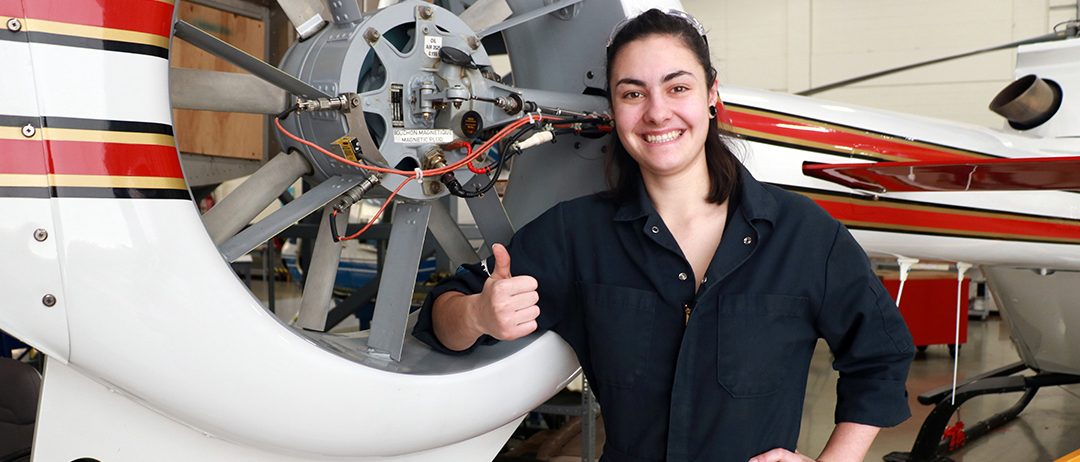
<point x="507" y="307"/>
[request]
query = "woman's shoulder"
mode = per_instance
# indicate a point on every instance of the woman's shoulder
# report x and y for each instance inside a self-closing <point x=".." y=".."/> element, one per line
<point x="797" y="209"/>
<point x="591" y="207"/>
<point x="585" y="207"/>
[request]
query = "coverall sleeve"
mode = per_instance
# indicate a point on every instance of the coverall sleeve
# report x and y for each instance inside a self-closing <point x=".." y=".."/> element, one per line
<point x="539" y="249"/>
<point x="868" y="337"/>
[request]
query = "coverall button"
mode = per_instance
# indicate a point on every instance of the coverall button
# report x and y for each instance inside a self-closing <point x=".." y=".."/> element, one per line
<point x="746" y="240"/>
<point x="682" y="276"/>
<point x="655" y="230"/>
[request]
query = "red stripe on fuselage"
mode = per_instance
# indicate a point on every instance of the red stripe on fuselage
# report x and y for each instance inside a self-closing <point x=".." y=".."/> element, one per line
<point x="943" y="221"/>
<point x="147" y="16"/>
<point x="867" y="143"/>
<point x="83" y="158"/>
<point x="24" y="157"/>
<point x="87" y="158"/>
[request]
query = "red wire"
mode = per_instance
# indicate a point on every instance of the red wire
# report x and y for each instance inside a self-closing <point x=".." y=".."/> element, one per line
<point x="380" y="211"/>
<point x="409" y="176"/>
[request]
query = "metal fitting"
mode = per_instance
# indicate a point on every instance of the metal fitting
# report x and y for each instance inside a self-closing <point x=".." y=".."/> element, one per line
<point x="29" y="131"/>
<point x="48" y="300"/>
<point x="425" y="12"/>
<point x="357" y="192"/>
<point x="372" y="35"/>
<point x="333" y="103"/>
<point x="474" y="42"/>
<point x="435" y="159"/>
<point x="14" y="25"/>
<point x="427" y="108"/>
<point x="41" y="235"/>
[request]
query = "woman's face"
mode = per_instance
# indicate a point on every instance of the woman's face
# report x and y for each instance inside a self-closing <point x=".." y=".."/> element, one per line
<point x="661" y="99"/>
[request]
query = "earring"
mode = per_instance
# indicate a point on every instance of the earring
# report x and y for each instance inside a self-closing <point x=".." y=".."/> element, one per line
<point x="712" y="111"/>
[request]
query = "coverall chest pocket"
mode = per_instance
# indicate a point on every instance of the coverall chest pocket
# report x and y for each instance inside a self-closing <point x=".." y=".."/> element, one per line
<point x="619" y="323"/>
<point x="759" y="335"/>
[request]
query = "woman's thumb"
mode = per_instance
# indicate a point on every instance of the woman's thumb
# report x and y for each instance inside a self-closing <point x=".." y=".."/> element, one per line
<point x="502" y="262"/>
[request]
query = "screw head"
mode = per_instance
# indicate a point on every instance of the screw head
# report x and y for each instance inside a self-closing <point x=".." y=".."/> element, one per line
<point x="48" y="300"/>
<point x="371" y="35"/>
<point x="28" y="131"/>
<point x="41" y="235"/>
<point x="474" y="42"/>
<point x="436" y="187"/>
<point x="426" y="12"/>
<point x="589" y="75"/>
<point x="14" y="25"/>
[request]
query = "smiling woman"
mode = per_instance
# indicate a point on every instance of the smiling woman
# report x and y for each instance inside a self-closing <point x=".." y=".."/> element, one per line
<point x="692" y="294"/>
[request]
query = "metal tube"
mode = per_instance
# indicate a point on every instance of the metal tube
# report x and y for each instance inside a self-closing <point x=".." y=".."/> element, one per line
<point x="245" y="202"/>
<point x="319" y="280"/>
<point x="239" y="58"/>
<point x="225" y="92"/>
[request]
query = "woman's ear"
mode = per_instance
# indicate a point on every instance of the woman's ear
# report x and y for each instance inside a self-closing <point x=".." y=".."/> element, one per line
<point x="714" y="94"/>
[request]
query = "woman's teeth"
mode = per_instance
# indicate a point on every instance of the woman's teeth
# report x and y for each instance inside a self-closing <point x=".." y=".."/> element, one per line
<point x="663" y="138"/>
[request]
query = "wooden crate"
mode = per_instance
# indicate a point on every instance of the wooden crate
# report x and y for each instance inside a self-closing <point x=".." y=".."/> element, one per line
<point x="221" y="134"/>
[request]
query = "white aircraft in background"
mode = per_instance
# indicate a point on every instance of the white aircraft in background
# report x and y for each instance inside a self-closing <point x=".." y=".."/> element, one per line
<point x="157" y="351"/>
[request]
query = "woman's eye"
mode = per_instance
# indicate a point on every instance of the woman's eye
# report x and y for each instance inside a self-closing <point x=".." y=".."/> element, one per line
<point x="679" y="88"/>
<point x="632" y="95"/>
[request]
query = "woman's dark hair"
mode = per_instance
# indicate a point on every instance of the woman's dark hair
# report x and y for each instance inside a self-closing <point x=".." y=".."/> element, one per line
<point x="623" y="173"/>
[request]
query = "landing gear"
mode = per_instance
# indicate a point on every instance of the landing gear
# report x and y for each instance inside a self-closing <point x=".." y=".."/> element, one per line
<point x="929" y="445"/>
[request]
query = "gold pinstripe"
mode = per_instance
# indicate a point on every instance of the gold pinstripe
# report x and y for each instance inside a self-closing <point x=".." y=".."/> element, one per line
<point x="104" y="136"/>
<point x="94" y="32"/>
<point x="113" y="181"/>
<point x="90" y="181"/>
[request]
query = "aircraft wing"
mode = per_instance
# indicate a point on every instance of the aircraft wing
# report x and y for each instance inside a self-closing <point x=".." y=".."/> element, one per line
<point x="1044" y="173"/>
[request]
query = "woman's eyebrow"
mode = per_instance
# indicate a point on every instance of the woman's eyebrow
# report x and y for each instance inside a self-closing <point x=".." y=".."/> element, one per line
<point x="676" y="74"/>
<point x="673" y="75"/>
<point x="629" y="81"/>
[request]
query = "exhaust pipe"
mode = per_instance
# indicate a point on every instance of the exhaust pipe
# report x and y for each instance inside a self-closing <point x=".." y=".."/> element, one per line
<point x="1028" y="102"/>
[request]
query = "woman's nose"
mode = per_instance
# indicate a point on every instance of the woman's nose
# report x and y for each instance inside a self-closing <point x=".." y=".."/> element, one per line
<point x="657" y="111"/>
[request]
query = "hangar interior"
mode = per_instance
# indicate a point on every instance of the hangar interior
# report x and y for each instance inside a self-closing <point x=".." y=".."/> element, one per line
<point x="783" y="46"/>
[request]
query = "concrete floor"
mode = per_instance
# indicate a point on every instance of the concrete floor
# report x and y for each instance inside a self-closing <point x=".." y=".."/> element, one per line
<point x="1046" y="431"/>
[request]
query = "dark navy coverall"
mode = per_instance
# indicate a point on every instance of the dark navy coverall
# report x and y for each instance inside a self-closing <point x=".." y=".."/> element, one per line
<point x="728" y="382"/>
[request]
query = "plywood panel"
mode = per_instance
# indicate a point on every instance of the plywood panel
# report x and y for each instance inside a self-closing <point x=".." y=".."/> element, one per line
<point x="218" y="133"/>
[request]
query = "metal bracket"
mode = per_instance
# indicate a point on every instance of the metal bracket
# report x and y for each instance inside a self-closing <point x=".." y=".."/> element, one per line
<point x="399" y="279"/>
<point x="489" y="214"/>
<point x="286" y="216"/>
<point x="239" y="58"/>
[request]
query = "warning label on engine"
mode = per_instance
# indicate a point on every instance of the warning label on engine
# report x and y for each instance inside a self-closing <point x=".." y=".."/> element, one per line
<point x="422" y="136"/>
<point x="432" y="46"/>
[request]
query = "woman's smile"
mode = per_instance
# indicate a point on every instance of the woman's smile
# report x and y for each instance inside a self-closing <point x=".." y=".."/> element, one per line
<point x="664" y="137"/>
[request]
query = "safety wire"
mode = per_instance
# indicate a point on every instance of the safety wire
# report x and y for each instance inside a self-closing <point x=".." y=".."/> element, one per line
<point x="418" y="173"/>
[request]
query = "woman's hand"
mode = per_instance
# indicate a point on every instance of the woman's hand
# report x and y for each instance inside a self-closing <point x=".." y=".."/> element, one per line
<point x="506" y="309"/>
<point x="781" y="455"/>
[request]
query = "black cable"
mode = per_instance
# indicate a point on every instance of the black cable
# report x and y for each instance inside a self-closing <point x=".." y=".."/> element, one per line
<point x="285" y="114"/>
<point x="333" y="227"/>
